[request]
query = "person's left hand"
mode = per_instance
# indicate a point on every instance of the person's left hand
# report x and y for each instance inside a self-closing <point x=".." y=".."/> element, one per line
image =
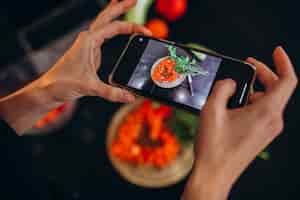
<point x="75" y="74"/>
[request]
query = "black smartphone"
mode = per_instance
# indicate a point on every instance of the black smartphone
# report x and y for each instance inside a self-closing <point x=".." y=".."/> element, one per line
<point x="178" y="75"/>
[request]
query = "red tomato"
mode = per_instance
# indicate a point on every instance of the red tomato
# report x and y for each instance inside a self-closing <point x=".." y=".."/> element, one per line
<point x="62" y="107"/>
<point x="128" y="147"/>
<point x="159" y="28"/>
<point x="171" y="9"/>
<point x="163" y="111"/>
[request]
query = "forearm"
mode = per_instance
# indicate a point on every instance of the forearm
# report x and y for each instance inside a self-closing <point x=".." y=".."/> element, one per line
<point x="206" y="184"/>
<point x="24" y="107"/>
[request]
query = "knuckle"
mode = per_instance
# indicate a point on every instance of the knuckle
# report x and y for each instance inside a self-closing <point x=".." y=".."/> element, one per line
<point x="118" y="23"/>
<point x="83" y="34"/>
<point x="124" y="6"/>
<point x="274" y="118"/>
<point x="104" y="93"/>
<point x="274" y="115"/>
<point x="88" y="88"/>
<point x="93" y="91"/>
<point x="113" y="99"/>
<point x="295" y="80"/>
<point x="112" y="96"/>
<point x="292" y="80"/>
<point x="278" y="125"/>
<point x="119" y="26"/>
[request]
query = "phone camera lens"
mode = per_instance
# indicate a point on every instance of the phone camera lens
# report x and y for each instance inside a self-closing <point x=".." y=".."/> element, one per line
<point x="141" y="39"/>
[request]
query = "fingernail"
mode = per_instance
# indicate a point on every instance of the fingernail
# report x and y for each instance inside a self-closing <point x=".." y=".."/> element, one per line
<point x="133" y="2"/>
<point x="231" y="81"/>
<point x="249" y="59"/>
<point x="148" y="32"/>
<point x="281" y="48"/>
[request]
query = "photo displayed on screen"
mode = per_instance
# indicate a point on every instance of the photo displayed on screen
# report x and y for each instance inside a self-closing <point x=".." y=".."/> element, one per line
<point x="175" y="74"/>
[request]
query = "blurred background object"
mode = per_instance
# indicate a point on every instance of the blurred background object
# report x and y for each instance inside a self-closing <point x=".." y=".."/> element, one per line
<point x="146" y="145"/>
<point x="54" y="120"/>
<point x="171" y="9"/>
<point x="73" y="157"/>
<point x="159" y="28"/>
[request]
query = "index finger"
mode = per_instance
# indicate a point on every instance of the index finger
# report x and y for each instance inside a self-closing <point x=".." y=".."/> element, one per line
<point x="118" y="28"/>
<point x="283" y="64"/>
<point x="287" y="78"/>
<point x="264" y="74"/>
<point x="113" y="10"/>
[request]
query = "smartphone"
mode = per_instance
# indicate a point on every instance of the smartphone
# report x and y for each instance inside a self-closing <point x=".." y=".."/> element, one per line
<point x="178" y="75"/>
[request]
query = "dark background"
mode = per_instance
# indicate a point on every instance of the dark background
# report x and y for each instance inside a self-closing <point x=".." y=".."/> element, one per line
<point x="73" y="158"/>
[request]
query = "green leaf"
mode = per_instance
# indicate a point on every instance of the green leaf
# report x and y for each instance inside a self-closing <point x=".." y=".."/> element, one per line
<point x="189" y="120"/>
<point x="265" y="155"/>
<point x="181" y="131"/>
<point x="193" y="62"/>
<point x="184" y="64"/>
<point x="187" y="60"/>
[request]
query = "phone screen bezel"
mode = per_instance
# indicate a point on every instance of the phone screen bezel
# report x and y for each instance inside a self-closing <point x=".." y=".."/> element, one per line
<point x="134" y="50"/>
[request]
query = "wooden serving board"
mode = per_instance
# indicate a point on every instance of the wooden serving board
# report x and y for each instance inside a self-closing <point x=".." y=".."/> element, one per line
<point x="147" y="176"/>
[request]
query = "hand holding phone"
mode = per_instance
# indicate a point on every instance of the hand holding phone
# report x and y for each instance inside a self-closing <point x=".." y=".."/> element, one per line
<point x="229" y="140"/>
<point x="178" y="75"/>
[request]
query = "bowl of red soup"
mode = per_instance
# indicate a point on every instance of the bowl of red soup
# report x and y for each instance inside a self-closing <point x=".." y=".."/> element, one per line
<point x="164" y="75"/>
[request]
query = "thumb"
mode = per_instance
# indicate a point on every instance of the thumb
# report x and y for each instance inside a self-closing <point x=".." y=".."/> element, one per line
<point x="114" y="94"/>
<point x="221" y="93"/>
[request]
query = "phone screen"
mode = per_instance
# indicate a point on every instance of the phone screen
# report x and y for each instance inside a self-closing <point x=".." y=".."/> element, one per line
<point x="177" y="75"/>
<point x="172" y="73"/>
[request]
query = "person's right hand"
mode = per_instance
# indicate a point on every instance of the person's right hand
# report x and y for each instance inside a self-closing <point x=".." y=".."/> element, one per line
<point x="229" y="139"/>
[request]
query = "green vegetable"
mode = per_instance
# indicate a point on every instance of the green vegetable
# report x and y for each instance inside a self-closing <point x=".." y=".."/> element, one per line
<point x="138" y="14"/>
<point x="184" y="125"/>
<point x="265" y="155"/>
<point x="201" y="48"/>
<point x="184" y="65"/>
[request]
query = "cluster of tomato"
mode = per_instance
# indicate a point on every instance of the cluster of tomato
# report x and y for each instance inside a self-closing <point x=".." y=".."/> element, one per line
<point x="51" y="116"/>
<point x="170" y="10"/>
<point x="144" y="138"/>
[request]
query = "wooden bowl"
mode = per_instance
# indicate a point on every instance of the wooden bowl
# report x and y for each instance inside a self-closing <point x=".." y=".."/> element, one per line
<point x="147" y="176"/>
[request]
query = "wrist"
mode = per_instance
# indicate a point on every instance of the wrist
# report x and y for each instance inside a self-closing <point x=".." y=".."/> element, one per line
<point x="24" y="107"/>
<point x="208" y="184"/>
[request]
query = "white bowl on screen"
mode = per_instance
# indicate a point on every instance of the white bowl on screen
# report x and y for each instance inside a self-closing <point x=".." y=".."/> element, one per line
<point x="166" y="84"/>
